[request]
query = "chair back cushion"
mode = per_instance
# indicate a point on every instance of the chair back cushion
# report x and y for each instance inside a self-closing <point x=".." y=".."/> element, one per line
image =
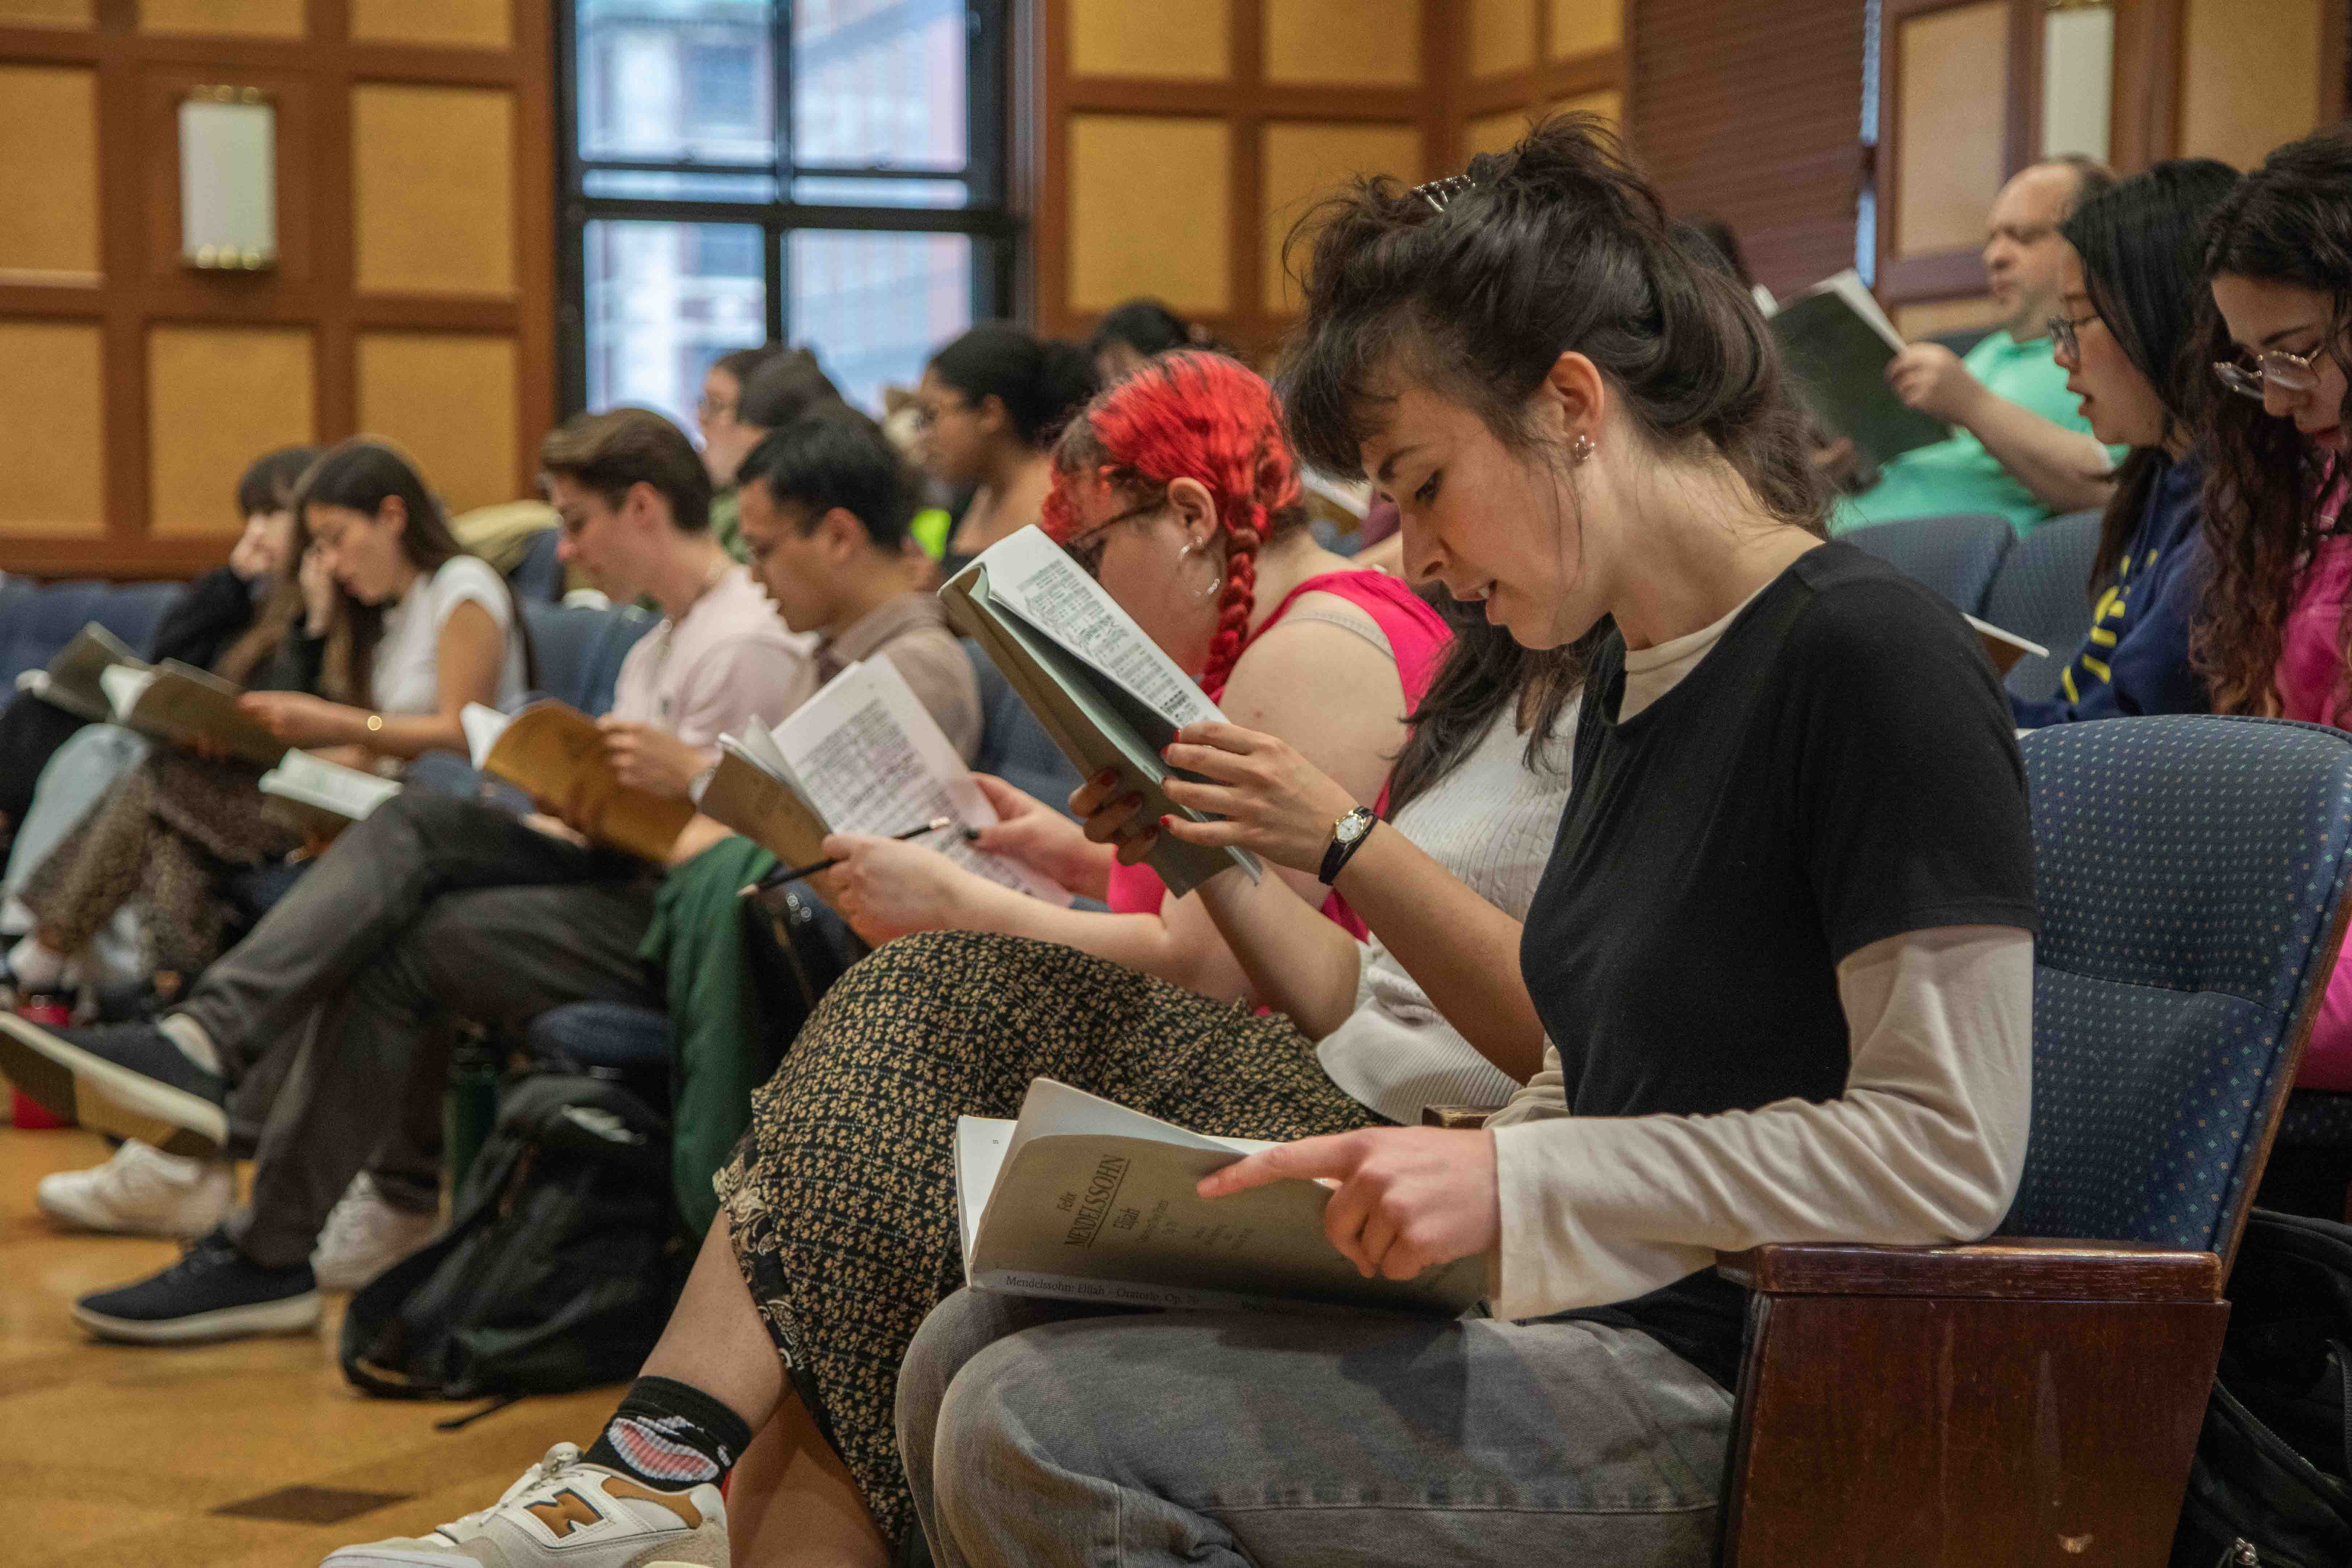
<point x="38" y="620"/>
<point x="1013" y="744"/>
<point x="2188" y="871"/>
<point x="580" y="648"/>
<point x="1957" y="556"/>
<point x="2038" y="593"/>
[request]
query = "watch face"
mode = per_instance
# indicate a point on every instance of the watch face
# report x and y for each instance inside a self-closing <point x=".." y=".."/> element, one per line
<point x="1352" y="827"/>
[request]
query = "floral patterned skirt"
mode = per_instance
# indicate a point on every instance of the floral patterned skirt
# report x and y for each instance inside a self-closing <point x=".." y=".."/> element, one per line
<point x="841" y="1196"/>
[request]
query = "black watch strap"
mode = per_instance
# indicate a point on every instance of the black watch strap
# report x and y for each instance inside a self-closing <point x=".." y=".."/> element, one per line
<point x="1346" y="836"/>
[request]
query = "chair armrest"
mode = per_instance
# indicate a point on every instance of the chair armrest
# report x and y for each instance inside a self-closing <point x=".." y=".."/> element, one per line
<point x="2013" y="1270"/>
<point x="1472" y="1117"/>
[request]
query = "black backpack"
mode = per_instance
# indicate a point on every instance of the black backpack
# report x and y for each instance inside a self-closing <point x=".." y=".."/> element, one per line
<point x="558" y="1271"/>
<point x="2271" y="1484"/>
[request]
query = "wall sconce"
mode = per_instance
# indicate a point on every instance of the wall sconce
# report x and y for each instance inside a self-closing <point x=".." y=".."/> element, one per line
<point x="2078" y="63"/>
<point x="229" y="179"/>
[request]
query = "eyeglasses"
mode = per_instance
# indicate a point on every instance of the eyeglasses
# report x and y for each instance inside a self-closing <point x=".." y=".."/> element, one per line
<point x="2288" y="372"/>
<point x="928" y="415"/>
<point x="711" y="409"/>
<point x="2064" y="332"/>
<point x="1086" y="549"/>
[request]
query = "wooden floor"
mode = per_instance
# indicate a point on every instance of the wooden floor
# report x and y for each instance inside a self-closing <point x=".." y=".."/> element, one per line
<point x="118" y="1455"/>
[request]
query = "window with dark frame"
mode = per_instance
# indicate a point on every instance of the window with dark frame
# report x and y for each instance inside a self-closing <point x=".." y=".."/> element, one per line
<point x="826" y="172"/>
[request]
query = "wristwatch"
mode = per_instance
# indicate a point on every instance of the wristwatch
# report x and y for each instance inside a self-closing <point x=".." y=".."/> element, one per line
<point x="1348" y="834"/>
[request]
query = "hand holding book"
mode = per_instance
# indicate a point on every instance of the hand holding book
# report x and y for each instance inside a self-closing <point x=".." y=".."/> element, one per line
<point x="1404" y="1200"/>
<point x="1262" y="795"/>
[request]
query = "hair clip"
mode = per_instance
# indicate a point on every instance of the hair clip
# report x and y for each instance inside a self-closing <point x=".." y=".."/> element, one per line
<point x="1439" y="192"/>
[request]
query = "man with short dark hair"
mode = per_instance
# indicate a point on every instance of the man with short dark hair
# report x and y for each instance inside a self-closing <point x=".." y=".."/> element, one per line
<point x="434" y="908"/>
<point x="2020" y="446"/>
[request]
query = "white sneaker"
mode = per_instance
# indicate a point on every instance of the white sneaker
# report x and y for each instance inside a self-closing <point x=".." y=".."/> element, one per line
<point x="364" y="1236"/>
<point x="566" y="1514"/>
<point x="141" y="1192"/>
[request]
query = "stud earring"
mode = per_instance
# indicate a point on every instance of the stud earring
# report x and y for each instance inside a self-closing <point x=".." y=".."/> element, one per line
<point x="1580" y="450"/>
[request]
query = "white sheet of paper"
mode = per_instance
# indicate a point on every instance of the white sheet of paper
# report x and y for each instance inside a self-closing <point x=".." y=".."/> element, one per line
<point x="871" y="759"/>
<point x="1036" y="576"/>
<point x="123" y="686"/>
<point x="483" y="726"/>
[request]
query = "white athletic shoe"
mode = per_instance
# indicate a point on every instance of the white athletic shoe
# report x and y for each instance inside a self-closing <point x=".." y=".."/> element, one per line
<point x="141" y="1192"/>
<point x="566" y="1514"/>
<point x="364" y="1236"/>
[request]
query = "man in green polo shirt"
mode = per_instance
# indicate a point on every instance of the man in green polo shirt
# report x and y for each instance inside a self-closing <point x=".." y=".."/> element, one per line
<point x="2019" y="445"/>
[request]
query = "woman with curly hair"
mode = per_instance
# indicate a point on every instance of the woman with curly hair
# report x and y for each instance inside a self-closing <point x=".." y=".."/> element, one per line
<point x="2275" y="637"/>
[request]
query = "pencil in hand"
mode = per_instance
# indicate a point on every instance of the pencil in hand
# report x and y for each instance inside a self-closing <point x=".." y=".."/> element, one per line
<point x="784" y="874"/>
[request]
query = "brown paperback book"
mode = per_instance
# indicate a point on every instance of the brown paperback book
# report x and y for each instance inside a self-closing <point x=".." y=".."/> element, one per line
<point x="555" y="754"/>
<point x="188" y="707"/>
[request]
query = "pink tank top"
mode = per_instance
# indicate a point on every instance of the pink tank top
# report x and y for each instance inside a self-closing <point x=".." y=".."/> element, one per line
<point x="1416" y="634"/>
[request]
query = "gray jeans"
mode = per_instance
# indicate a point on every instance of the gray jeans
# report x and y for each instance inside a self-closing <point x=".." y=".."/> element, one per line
<point x="1039" y="1433"/>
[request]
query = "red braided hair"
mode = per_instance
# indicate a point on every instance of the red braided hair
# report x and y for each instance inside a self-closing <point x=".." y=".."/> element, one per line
<point x="1190" y="414"/>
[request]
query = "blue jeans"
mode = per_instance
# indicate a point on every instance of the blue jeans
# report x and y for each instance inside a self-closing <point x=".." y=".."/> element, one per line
<point x="1037" y="1433"/>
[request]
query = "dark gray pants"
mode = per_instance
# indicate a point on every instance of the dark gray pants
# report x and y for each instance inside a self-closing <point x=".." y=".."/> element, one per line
<point x="434" y="909"/>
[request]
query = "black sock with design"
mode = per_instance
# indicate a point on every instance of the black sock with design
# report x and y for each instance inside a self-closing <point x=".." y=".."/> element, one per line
<point x="670" y="1435"/>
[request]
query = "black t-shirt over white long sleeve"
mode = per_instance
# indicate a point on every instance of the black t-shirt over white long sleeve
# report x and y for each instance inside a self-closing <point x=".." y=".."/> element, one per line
<point x="1782" y="951"/>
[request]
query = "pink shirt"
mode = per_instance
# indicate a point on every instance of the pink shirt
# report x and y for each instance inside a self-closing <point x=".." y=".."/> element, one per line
<point x="1416" y="635"/>
<point x="727" y="663"/>
<point x="2310" y="683"/>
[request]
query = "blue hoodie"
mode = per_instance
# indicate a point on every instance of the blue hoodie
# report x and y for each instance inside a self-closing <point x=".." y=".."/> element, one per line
<point x="2136" y="660"/>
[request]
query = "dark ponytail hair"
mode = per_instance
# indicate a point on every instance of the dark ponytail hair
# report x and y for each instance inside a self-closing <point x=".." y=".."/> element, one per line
<point x="1148" y="327"/>
<point x="362" y="474"/>
<point x="1484" y="668"/>
<point x="2139" y="242"/>
<point x="1041" y="382"/>
<point x="2290" y="222"/>
<point x="1476" y="290"/>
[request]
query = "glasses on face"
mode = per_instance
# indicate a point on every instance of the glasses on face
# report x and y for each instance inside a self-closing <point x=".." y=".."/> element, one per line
<point x="2249" y="373"/>
<point x="1086" y="549"/>
<point x="2065" y="332"/>
<point x="928" y="415"/>
<point x="710" y="410"/>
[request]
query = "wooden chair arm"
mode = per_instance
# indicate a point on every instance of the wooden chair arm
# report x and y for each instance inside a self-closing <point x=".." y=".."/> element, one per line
<point x="1472" y="1117"/>
<point x="2007" y="1269"/>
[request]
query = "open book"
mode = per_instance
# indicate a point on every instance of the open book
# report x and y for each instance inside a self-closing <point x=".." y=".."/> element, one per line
<point x="70" y="681"/>
<point x="184" y="705"/>
<point x="1087" y="1201"/>
<point x="1839" y="344"/>
<point x="321" y="799"/>
<point x="2004" y="648"/>
<point x="863" y="755"/>
<point x="555" y="754"/>
<point x="1102" y="688"/>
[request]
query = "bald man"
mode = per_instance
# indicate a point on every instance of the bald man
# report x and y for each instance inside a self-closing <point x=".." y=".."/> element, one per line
<point x="2019" y="445"/>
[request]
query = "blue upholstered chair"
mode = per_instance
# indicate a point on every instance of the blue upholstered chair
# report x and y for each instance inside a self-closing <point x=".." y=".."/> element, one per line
<point x="1013" y="744"/>
<point x="1957" y="556"/>
<point x="539" y="576"/>
<point x="2036" y="1399"/>
<point x="2039" y="593"/>
<point x="578" y="649"/>
<point x="36" y="619"/>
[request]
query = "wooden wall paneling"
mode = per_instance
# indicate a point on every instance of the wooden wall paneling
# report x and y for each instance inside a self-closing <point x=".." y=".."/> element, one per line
<point x="1502" y="36"/>
<point x="52" y="408"/>
<point x="1360" y="43"/>
<point x="48" y="174"/>
<point x="1244" y="228"/>
<point x="217" y="397"/>
<point x="1151" y="208"/>
<point x="462" y="23"/>
<point x="428" y="217"/>
<point x="2144" y="117"/>
<point x="1584" y="28"/>
<point x="1948" y="141"/>
<point x="135" y="291"/>
<point x="2254" y="76"/>
<point x="1183" y="40"/>
<point x="450" y="401"/>
<point x="1750" y="112"/>
<point x="1305" y="162"/>
<point x="1578" y="61"/>
<point x="224" y="18"/>
<point x="48" y="13"/>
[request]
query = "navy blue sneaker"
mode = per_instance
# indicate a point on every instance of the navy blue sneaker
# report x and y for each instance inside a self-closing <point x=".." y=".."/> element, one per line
<point x="214" y="1292"/>
<point x="125" y="1078"/>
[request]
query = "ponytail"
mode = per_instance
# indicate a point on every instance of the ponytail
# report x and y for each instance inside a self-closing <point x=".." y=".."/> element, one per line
<point x="1041" y="382"/>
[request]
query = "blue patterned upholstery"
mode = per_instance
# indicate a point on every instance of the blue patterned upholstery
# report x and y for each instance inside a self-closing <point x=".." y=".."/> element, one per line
<point x="578" y="649"/>
<point x="1957" y="556"/>
<point x="1013" y="744"/>
<point x="2188" y="871"/>
<point x="36" y="619"/>
<point x="2039" y="593"/>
